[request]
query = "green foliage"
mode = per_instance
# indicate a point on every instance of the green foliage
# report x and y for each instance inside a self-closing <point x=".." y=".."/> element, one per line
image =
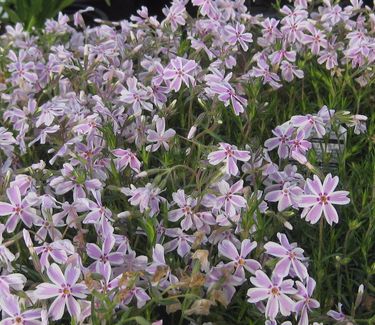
<point x="32" y="13"/>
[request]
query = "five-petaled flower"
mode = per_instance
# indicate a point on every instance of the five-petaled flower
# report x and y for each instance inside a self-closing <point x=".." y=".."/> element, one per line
<point x="275" y="291"/>
<point x="239" y="261"/>
<point x="319" y="198"/>
<point x="180" y="70"/>
<point x="65" y="288"/>
<point x="291" y="257"/>
<point x="160" y="136"/>
<point x="17" y="209"/>
<point x="237" y="35"/>
<point x="230" y="154"/>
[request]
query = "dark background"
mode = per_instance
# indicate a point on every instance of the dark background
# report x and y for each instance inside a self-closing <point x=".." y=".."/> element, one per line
<point x="122" y="9"/>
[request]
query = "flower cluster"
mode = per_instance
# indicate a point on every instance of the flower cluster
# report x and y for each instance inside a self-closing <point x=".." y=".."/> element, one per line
<point x="119" y="192"/>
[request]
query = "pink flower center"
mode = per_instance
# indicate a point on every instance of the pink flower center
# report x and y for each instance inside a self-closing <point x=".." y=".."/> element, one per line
<point x="283" y="138"/>
<point x="229" y="152"/>
<point x="186" y="209"/>
<point x="104" y="258"/>
<point x="323" y="198"/>
<point x="18" y="320"/>
<point x="17" y="209"/>
<point x="241" y="261"/>
<point x="275" y="291"/>
<point x="65" y="291"/>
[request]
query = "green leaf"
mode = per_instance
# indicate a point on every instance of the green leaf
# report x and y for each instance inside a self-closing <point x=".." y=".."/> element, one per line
<point x="149" y="227"/>
<point x="140" y="320"/>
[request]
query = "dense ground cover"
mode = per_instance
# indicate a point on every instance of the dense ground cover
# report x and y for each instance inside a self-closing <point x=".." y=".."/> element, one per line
<point x="213" y="169"/>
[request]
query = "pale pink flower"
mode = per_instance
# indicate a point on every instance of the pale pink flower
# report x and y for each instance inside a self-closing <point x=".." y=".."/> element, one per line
<point x="237" y="35"/>
<point x="160" y="136"/>
<point x="319" y="199"/>
<point x="180" y="70"/>
<point x="229" y="154"/>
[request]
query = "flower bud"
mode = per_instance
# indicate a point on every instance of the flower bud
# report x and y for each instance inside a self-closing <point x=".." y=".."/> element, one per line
<point x="192" y="132"/>
<point x="358" y="300"/>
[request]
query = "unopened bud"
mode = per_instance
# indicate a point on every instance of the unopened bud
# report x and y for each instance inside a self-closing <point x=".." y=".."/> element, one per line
<point x="192" y="132"/>
<point x="141" y="174"/>
<point x="358" y="300"/>
<point x="123" y="215"/>
<point x="288" y="225"/>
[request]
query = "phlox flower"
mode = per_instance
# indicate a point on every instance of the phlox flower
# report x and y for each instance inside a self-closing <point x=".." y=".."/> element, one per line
<point x="160" y="136"/>
<point x="65" y="288"/>
<point x="282" y="55"/>
<point x="125" y="158"/>
<point x="231" y="201"/>
<point x="337" y="315"/>
<point x="191" y="218"/>
<point x="288" y="71"/>
<point x="138" y="97"/>
<point x="275" y="291"/>
<point x="222" y="279"/>
<point x="263" y="71"/>
<point x="13" y="315"/>
<point x="17" y="209"/>
<point x="227" y="95"/>
<point x="319" y="199"/>
<point x="305" y="302"/>
<point x="316" y="40"/>
<point x="229" y="154"/>
<point x="147" y="198"/>
<point x="293" y="28"/>
<point x="132" y="262"/>
<point x="98" y="212"/>
<point x="175" y="15"/>
<point x="182" y="242"/>
<point x="286" y="197"/>
<point x="15" y="281"/>
<point x="57" y="250"/>
<point x="239" y="261"/>
<point x="180" y="70"/>
<point x="329" y="57"/>
<point x="138" y="293"/>
<point x="282" y="136"/>
<point x="48" y="225"/>
<point x="106" y="284"/>
<point x="6" y="140"/>
<point x="21" y="71"/>
<point x="309" y="122"/>
<point x="291" y="257"/>
<point x="299" y="143"/>
<point x="104" y="255"/>
<point x="359" y="123"/>
<point x="270" y="31"/>
<point x="159" y="269"/>
<point x="333" y="14"/>
<point x="237" y="35"/>
<point x="207" y="8"/>
<point x="69" y="181"/>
